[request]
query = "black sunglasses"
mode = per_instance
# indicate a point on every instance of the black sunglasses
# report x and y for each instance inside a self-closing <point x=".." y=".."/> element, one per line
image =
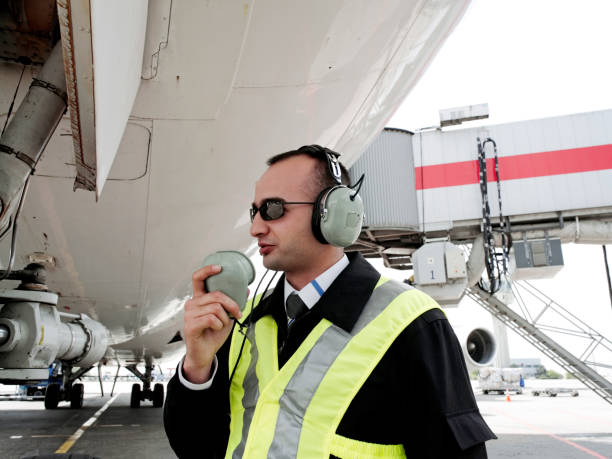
<point x="272" y="209"/>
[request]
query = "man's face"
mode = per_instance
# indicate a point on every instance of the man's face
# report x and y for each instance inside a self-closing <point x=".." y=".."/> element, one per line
<point x="287" y="244"/>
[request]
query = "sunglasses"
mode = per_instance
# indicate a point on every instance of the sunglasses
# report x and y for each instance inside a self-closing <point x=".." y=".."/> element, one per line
<point x="272" y="209"/>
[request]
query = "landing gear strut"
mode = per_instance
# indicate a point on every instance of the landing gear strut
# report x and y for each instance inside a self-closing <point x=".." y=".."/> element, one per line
<point x="145" y="393"/>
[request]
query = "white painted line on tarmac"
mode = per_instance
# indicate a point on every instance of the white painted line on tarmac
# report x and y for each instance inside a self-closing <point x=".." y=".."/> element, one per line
<point x="592" y="439"/>
<point x="49" y="436"/>
<point x="15" y="437"/>
<point x="81" y="430"/>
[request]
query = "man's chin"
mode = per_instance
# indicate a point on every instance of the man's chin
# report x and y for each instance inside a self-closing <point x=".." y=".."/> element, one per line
<point x="270" y="262"/>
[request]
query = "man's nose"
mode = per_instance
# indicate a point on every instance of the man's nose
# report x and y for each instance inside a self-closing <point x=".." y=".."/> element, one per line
<point x="259" y="226"/>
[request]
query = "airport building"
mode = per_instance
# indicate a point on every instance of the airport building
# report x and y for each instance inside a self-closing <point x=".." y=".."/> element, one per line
<point x="529" y="366"/>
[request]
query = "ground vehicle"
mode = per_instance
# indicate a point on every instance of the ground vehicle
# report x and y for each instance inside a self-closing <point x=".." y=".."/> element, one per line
<point x="553" y="391"/>
<point x="500" y="380"/>
<point x="39" y="388"/>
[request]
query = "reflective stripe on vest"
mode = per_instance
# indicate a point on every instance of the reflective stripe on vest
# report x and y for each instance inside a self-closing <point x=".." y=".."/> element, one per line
<point x="295" y="412"/>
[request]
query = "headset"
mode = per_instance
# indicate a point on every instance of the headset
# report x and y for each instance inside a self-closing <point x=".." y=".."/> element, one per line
<point x="338" y="215"/>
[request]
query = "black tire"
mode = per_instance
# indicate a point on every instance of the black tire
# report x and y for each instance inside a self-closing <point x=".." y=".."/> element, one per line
<point x="575" y="394"/>
<point x="135" y="397"/>
<point x="553" y="395"/>
<point x="52" y="396"/>
<point x="486" y="392"/>
<point x="158" y="395"/>
<point x="76" y="396"/>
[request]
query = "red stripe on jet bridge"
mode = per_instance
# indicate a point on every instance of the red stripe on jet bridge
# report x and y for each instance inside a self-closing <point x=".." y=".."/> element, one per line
<point x="517" y="167"/>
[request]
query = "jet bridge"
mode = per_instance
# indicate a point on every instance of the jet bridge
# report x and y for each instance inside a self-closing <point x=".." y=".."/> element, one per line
<point x="514" y="193"/>
<point x="554" y="179"/>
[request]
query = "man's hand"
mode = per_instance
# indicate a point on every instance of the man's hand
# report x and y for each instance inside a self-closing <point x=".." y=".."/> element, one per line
<point x="207" y="326"/>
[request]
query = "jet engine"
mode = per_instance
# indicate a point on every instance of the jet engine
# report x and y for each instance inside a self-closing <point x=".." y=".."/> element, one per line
<point x="479" y="347"/>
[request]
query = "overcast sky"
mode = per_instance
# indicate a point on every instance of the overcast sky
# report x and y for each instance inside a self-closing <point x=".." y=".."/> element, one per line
<point x="527" y="59"/>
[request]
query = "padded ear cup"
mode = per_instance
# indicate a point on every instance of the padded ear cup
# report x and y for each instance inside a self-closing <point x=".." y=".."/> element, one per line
<point x="337" y="219"/>
<point x="316" y="216"/>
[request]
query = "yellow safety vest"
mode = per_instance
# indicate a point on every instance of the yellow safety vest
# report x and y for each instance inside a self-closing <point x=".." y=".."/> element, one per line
<point x="295" y="411"/>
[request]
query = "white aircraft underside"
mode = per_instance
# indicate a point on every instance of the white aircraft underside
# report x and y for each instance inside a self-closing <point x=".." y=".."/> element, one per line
<point x="224" y="86"/>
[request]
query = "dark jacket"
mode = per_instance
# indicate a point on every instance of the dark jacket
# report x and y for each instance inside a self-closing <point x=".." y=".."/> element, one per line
<point x="418" y="395"/>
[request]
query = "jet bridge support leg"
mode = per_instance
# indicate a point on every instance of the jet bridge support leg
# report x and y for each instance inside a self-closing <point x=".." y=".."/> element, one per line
<point x="145" y="393"/>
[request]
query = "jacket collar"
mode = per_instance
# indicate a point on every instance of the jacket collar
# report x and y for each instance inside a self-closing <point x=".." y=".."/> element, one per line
<point x="341" y="303"/>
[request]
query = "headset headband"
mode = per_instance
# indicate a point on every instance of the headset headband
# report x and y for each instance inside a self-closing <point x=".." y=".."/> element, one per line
<point x="334" y="165"/>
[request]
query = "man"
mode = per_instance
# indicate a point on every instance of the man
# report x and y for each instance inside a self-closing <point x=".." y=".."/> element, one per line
<point x="368" y="369"/>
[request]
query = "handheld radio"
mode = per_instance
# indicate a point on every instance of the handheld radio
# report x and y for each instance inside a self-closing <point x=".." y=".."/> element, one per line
<point x="236" y="274"/>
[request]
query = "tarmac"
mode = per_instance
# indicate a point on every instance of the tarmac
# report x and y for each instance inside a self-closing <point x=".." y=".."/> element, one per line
<point x="27" y="429"/>
<point x="548" y="427"/>
<point x="526" y="426"/>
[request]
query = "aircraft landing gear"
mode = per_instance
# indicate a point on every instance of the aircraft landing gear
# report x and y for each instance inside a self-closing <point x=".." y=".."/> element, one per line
<point x="158" y="395"/>
<point x="145" y="393"/>
<point x="76" y="396"/>
<point x="135" y="396"/>
<point x="67" y="390"/>
<point x="52" y="396"/>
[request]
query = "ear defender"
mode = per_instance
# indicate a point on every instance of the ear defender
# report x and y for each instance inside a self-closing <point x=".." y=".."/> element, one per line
<point x="337" y="216"/>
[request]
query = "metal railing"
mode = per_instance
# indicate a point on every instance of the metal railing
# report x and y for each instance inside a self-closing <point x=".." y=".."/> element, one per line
<point x="532" y="328"/>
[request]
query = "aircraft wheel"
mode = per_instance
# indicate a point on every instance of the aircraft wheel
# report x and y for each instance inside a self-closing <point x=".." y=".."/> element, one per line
<point x="158" y="395"/>
<point x="135" y="397"/>
<point x="486" y="392"/>
<point x="76" y="396"/>
<point x="52" y="396"/>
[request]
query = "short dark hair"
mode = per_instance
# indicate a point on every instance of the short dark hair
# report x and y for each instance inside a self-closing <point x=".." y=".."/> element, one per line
<point x="323" y="177"/>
